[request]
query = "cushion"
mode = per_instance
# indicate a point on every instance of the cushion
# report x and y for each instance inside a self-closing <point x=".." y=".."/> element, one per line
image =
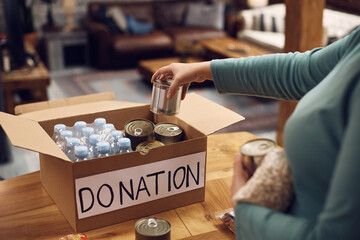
<point x="206" y="15"/>
<point x="137" y="27"/>
<point x="170" y="14"/>
<point x="100" y="16"/>
<point x="118" y="16"/>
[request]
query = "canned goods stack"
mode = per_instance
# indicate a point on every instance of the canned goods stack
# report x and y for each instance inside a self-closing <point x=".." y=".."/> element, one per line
<point x="145" y="135"/>
<point x="85" y="141"/>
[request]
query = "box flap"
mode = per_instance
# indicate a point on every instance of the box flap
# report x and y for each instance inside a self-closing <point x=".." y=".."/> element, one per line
<point x="29" y="134"/>
<point x="79" y="109"/>
<point x="33" y="107"/>
<point x="205" y="115"/>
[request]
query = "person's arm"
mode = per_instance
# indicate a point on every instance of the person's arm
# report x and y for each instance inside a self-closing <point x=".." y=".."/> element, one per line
<point x="340" y="217"/>
<point x="183" y="74"/>
<point x="283" y="76"/>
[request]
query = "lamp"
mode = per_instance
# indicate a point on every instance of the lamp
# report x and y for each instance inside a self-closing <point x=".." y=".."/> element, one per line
<point x="257" y="3"/>
<point x="69" y="5"/>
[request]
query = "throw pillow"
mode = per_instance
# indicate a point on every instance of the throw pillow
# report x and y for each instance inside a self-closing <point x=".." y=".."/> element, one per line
<point x="100" y="16"/>
<point x="136" y="27"/>
<point x="118" y="16"/>
<point x="170" y="14"/>
<point x="206" y="15"/>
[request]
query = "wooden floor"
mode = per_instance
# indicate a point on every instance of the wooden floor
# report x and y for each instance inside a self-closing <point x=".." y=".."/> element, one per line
<point x="25" y="161"/>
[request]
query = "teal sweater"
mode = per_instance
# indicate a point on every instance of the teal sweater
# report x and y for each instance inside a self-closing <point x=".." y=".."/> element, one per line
<point x="321" y="138"/>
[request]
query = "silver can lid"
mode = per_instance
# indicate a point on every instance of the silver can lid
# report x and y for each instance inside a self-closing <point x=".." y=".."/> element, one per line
<point x="163" y="83"/>
<point x="257" y="147"/>
<point x="168" y="129"/>
<point x="139" y="127"/>
<point x="152" y="227"/>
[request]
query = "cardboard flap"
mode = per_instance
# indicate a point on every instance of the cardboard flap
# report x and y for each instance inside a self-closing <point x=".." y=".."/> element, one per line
<point x="28" y="134"/>
<point x="205" y="115"/>
<point x="33" y="107"/>
<point x="79" y="109"/>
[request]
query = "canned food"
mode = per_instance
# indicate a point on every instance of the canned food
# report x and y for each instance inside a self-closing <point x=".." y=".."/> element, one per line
<point x="152" y="228"/>
<point x="160" y="104"/>
<point x="254" y="152"/>
<point x="139" y="130"/>
<point x="145" y="147"/>
<point x="168" y="133"/>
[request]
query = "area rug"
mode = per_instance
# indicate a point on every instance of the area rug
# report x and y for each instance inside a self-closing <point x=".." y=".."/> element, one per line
<point x="129" y="85"/>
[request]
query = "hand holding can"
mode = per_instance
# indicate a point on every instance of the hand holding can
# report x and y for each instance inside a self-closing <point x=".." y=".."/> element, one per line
<point x="254" y="152"/>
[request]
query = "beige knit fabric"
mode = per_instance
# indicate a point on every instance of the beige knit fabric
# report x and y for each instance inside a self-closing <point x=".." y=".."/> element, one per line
<point x="271" y="185"/>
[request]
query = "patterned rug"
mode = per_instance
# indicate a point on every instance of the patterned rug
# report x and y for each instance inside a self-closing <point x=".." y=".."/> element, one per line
<point x="129" y="85"/>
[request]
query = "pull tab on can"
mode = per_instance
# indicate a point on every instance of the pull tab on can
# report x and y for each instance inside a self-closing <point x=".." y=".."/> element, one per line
<point x="153" y="228"/>
<point x="160" y="104"/>
<point x="152" y="223"/>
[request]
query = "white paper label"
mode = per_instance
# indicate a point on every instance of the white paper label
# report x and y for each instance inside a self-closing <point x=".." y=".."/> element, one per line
<point x="123" y="188"/>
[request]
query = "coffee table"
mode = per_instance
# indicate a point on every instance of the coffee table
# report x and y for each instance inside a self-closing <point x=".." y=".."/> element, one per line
<point x="228" y="47"/>
<point x="35" y="80"/>
<point x="148" y="67"/>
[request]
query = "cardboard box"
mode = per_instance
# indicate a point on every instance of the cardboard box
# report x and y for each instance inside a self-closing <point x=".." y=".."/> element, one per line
<point x="105" y="191"/>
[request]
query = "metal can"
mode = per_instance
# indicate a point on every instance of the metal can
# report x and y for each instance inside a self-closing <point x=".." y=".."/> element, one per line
<point x="160" y="104"/>
<point x="144" y="147"/>
<point x="168" y="133"/>
<point x="139" y="130"/>
<point x="254" y="152"/>
<point x="153" y="228"/>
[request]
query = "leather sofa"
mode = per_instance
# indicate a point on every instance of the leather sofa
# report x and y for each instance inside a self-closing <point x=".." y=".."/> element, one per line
<point x="120" y="49"/>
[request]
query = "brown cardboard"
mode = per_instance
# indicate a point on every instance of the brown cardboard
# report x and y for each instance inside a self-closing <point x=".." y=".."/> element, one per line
<point x="32" y="107"/>
<point x="32" y="130"/>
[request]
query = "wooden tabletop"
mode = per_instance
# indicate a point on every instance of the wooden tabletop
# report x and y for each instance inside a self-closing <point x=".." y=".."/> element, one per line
<point x="228" y="47"/>
<point x="27" y="211"/>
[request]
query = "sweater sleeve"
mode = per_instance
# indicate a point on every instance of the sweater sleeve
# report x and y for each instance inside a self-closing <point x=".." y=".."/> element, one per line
<point x="340" y="216"/>
<point x="287" y="76"/>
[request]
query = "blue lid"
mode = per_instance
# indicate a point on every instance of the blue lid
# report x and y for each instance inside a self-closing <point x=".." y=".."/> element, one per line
<point x="109" y="125"/>
<point x="103" y="147"/>
<point x="117" y="134"/>
<point x="124" y="142"/>
<point x="81" y="151"/>
<point x="87" y="131"/>
<point x="59" y="127"/>
<point x="66" y="134"/>
<point x="94" y="138"/>
<point x="72" y="142"/>
<point x="99" y="122"/>
<point x="79" y="125"/>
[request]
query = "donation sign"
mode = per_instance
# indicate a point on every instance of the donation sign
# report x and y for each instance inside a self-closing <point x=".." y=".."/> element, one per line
<point x="123" y="188"/>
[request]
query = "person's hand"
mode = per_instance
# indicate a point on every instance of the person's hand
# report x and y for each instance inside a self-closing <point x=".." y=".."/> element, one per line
<point x="183" y="74"/>
<point x="240" y="176"/>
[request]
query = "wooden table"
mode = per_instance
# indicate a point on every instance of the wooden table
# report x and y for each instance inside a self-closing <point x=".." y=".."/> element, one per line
<point x="27" y="211"/>
<point x="148" y="67"/>
<point x="228" y="47"/>
<point x="35" y="80"/>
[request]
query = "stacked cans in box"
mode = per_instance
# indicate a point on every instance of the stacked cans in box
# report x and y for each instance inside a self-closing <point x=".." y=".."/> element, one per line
<point x="100" y="139"/>
<point x="90" y="140"/>
<point x="146" y="135"/>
